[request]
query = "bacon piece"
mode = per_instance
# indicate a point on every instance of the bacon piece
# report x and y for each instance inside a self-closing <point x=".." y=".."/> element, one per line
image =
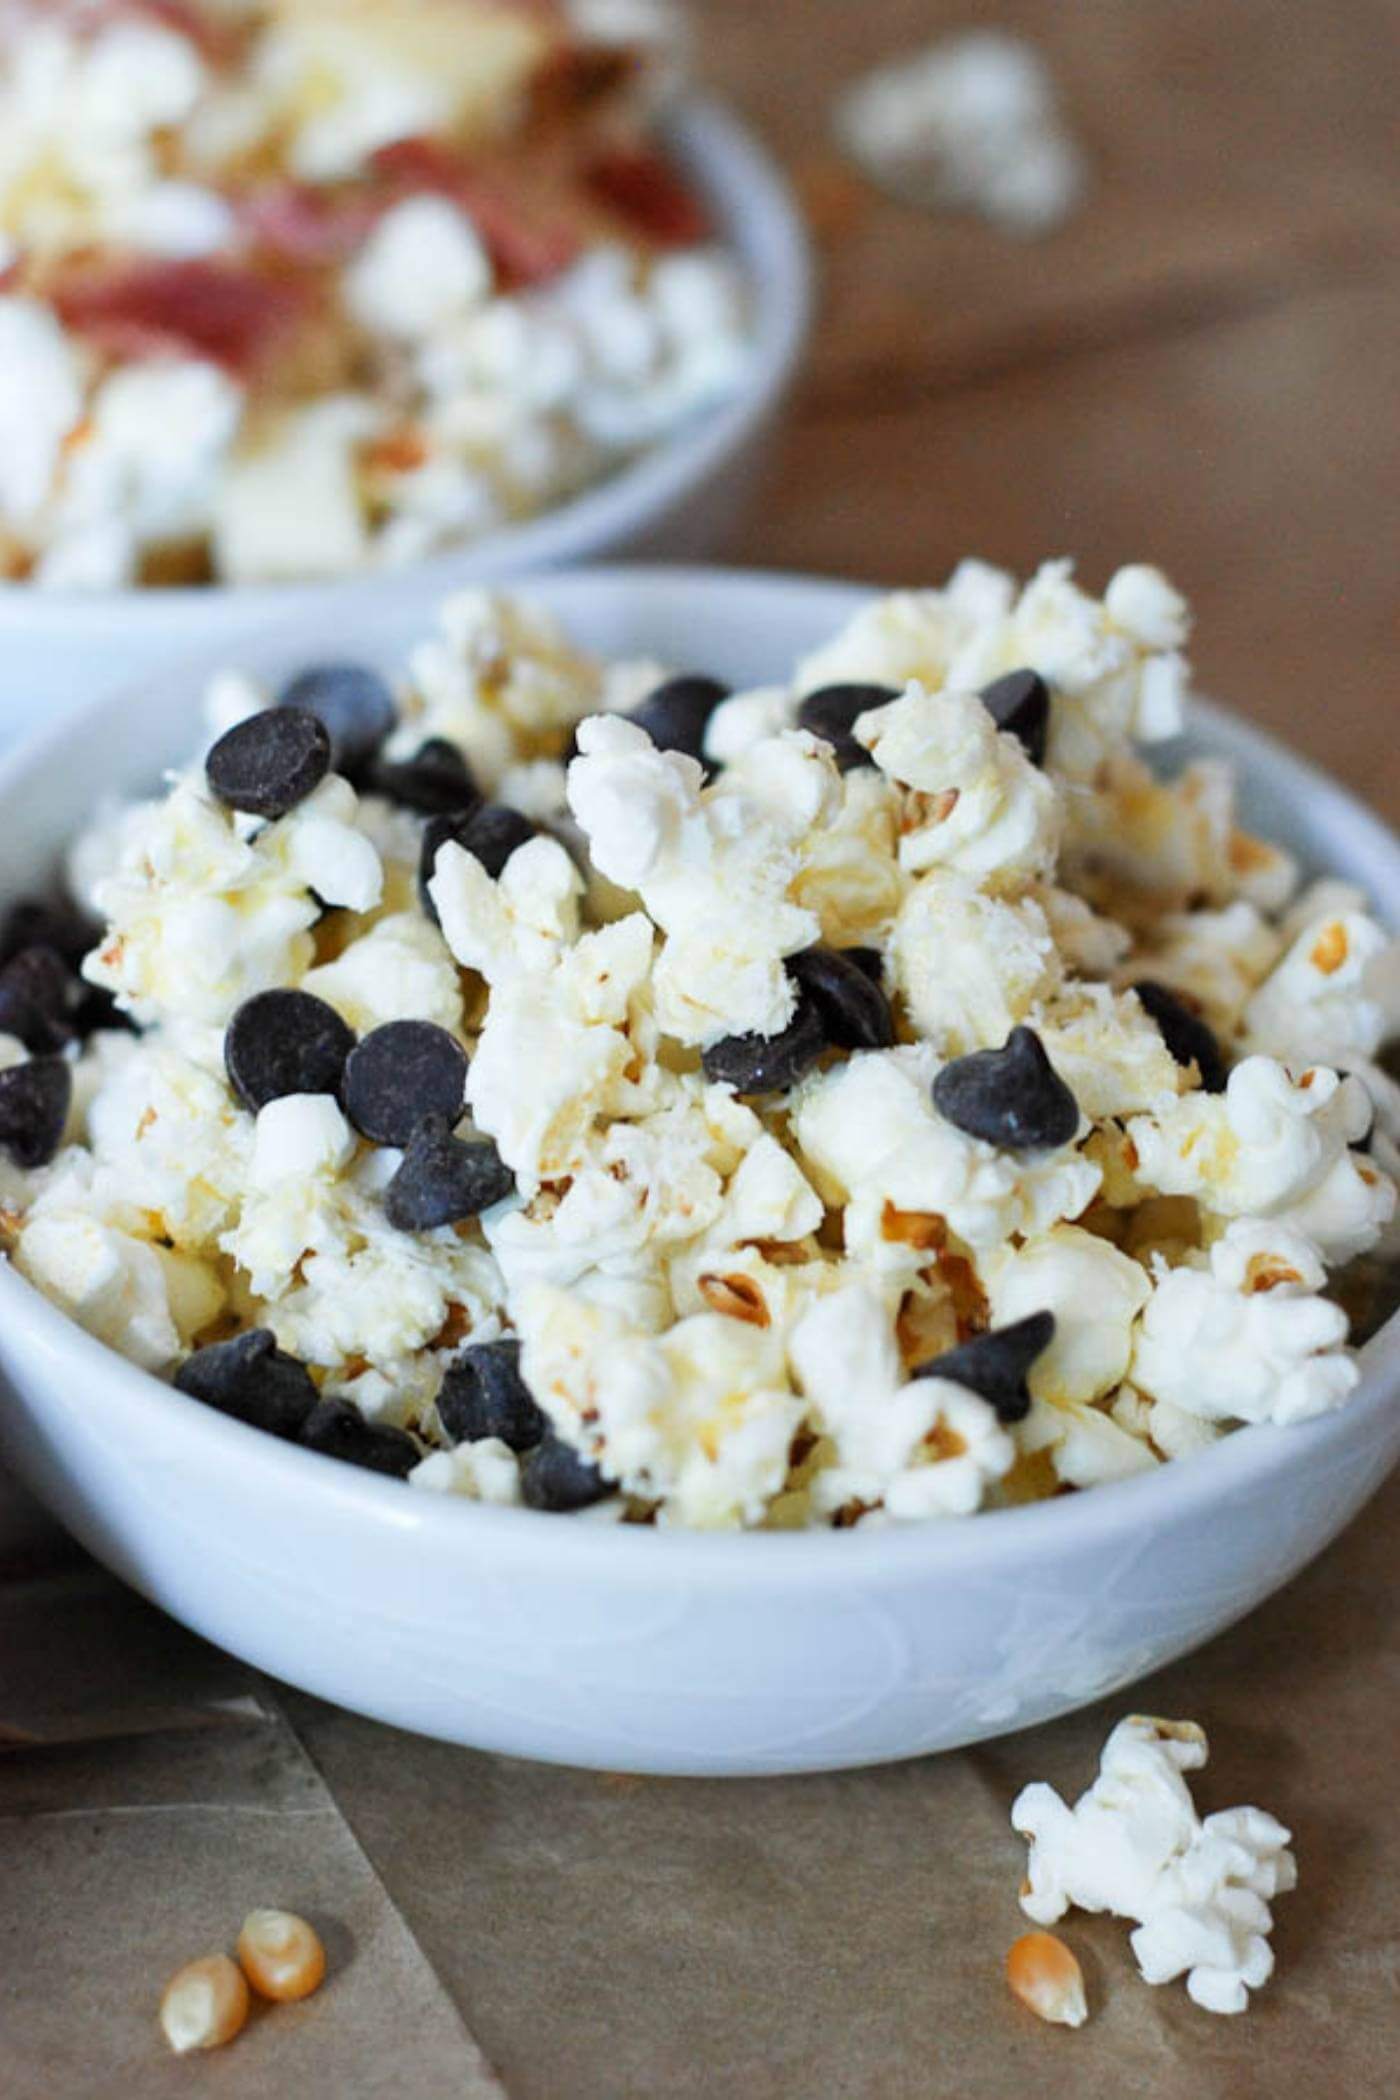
<point x="220" y="310"/>
<point x="646" y="193"/>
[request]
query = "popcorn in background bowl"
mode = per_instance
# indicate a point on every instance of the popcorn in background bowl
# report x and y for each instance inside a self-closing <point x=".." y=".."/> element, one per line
<point x="295" y="290"/>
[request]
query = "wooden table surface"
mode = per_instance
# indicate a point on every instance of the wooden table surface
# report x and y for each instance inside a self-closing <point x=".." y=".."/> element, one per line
<point x="1200" y="369"/>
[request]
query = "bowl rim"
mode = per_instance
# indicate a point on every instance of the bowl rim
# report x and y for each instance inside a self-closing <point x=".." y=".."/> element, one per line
<point x="1245" y="1459"/>
<point x="769" y="238"/>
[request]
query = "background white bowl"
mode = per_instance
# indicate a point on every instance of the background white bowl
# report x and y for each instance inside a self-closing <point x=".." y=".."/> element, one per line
<point x="681" y="499"/>
<point x="631" y="1648"/>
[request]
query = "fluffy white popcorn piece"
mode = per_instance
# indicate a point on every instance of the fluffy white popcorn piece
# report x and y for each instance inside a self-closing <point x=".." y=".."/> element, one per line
<point x="1088" y="1447"/>
<point x="975" y="803"/>
<point x="201" y="912"/>
<point x="157" y="442"/>
<point x="918" y="1447"/>
<point x="290" y="508"/>
<point x="1319" y="1004"/>
<point x="519" y="921"/>
<point x="298" y="1136"/>
<point x="41" y="398"/>
<point x="699" y="1419"/>
<point x="1199" y="1891"/>
<point x="484" y="1471"/>
<point x="972" y="123"/>
<point x="170" y="1146"/>
<point x="747" y="718"/>
<point x="1169" y="843"/>
<point x="870" y="1136"/>
<point x="1272" y="1146"/>
<point x="1108" y="1051"/>
<point x="112" y="1282"/>
<point x="714" y="867"/>
<point x="499" y="679"/>
<point x="1246" y="1339"/>
<point x="338" y="1283"/>
<point x="969" y="966"/>
<point x="422" y="266"/>
<point x="555" y="1054"/>
<point x="850" y="874"/>
<point x="398" y="971"/>
<point x="1095" y="1292"/>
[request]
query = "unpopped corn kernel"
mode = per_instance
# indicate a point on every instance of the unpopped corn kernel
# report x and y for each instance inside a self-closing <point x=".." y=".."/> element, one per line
<point x="282" y="1955"/>
<point x="204" y="2005"/>
<point x="1045" y="1975"/>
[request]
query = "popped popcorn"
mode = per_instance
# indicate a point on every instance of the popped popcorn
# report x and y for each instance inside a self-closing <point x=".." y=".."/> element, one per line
<point x="801" y="1135"/>
<point x="1198" y="1890"/>
<point x="295" y="292"/>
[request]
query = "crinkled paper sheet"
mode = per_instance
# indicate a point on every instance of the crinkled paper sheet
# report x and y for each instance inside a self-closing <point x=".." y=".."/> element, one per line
<point x="609" y="1938"/>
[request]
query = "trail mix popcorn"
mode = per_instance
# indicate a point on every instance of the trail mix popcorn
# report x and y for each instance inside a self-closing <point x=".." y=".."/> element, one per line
<point x="582" y="1086"/>
<point x="1198" y="1890"/>
<point x="290" y="289"/>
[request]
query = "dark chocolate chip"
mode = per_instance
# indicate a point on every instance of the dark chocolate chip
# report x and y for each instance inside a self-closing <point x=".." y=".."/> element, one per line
<point x="483" y="1394"/>
<point x="1012" y="1097"/>
<point x="555" y="1477"/>
<point x="674" y="715"/>
<point x="337" y="1429"/>
<point x="1019" y="703"/>
<point x="353" y="703"/>
<point x="39" y="999"/>
<point x="442" y="1179"/>
<point x="832" y="713"/>
<point x="267" y="764"/>
<point x="870" y="961"/>
<point x="854" y="1010"/>
<point x="995" y="1364"/>
<point x="285" y="1042"/>
<point x="490" y="832"/>
<point x="34" y="1100"/>
<point x="1185" y="1034"/>
<point x="400" y="1073"/>
<point x="769" y="1064"/>
<point x="35" y="922"/>
<point x="437" y="780"/>
<point x="250" y="1378"/>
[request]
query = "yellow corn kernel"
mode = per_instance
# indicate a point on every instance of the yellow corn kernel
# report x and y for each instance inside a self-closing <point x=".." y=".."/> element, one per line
<point x="205" y="2004"/>
<point x="281" y="1954"/>
<point x="1044" y="1975"/>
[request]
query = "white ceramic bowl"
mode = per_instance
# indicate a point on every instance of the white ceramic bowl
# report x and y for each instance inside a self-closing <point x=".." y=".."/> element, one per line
<point x="631" y="1648"/>
<point x="680" y="500"/>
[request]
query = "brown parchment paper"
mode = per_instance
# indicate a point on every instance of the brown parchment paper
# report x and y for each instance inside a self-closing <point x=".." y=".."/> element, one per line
<point x="608" y="1938"/>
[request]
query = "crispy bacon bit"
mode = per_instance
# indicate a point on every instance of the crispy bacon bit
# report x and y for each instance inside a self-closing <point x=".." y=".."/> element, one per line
<point x="1265" y="1272"/>
<point x="647" y="194"/>
<point x="224" y="311"/>
<point x="1330" y="949"/>
<point x="913" y="1228"/>
<point x="737" y="1297"/>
